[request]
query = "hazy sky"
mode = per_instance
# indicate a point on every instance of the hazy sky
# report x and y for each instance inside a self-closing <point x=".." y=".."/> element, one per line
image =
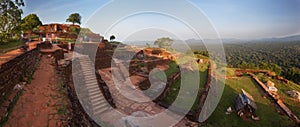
<point x="244" y="19"/>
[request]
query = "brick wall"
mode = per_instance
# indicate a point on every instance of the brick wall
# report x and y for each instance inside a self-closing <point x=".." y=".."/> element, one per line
<point x="13" y="72"/>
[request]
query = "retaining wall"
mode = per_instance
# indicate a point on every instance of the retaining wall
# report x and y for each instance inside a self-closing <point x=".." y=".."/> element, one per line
<point x="277" y="100"/>
<point x="15" y="71"/>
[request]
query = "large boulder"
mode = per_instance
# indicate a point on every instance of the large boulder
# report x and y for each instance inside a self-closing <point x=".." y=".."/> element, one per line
<point x="293" y="93"/>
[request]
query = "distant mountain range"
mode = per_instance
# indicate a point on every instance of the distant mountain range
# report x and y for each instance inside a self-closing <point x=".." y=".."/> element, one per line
<point x="226" y="40"/>
<point x="283" y="39"/>
<point x="233" y="40"/>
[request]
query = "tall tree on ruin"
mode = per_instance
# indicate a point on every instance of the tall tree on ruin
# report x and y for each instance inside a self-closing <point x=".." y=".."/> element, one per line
<point x="74" y="18"/>
<point x="112" y="38"/>
<point x="30" y="22"/>
<point x="164" y="42"/>
<point x="10" y="17"/>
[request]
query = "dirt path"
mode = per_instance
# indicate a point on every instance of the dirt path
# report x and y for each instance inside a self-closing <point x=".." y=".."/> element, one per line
<point x="43" y="102"/>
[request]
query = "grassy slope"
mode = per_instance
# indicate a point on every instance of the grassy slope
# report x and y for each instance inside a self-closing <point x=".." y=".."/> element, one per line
<point x="10" y="46"/>
<point x="174" y="88"/>
<point x="266" y="110"/>
<point x="172" y="69"/>
<point x="293" y="104"/>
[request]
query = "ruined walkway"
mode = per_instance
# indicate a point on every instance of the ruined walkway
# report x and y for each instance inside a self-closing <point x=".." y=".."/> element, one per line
<point x="128" y="106"/>
<point x="42" y="103"/>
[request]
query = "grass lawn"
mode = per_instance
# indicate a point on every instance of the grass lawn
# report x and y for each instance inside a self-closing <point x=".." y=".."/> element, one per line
<point x="290" y="102"/>
<point x="266" y="110"/>
<point x="8" y="46"/>
<point x="175" y="88"/>
<point x="184" y="59"/>
<point x="172" y="69"/>
<point x="226" y="71"/>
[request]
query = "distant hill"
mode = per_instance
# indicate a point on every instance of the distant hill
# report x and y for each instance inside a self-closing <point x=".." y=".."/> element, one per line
<point x="234" y="40"/>
<point x="197" y="42"/>
<point x="287" y="38"/>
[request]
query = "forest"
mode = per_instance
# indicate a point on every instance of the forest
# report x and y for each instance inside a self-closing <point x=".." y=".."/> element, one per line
<point x="283" y="58"/>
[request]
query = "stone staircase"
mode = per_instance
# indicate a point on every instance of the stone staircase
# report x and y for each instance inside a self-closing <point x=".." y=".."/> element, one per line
<point x="97" y="103"/>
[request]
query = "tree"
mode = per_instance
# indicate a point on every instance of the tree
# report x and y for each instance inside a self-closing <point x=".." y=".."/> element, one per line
<point x="10" y="17"/>
<point x="30" y="22"/>
<point x="148" y="45"/>
<point x="163" y="42"/>
<point x="275" y="68"/>
<point x="74" y="18"/>
<point x="75" y="29"/>
<point x="112" y="38"/>
<point x="294" y="74"/>
<point x="243" y="65"/>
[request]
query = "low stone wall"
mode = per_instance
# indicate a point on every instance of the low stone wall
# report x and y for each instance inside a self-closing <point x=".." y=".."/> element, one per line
<point x="241" y="71"/>
<point x="277" y="100"/>
<point x="170" y="81"/>
<point x="203" y="94"/>
<point x="13" y="72"/>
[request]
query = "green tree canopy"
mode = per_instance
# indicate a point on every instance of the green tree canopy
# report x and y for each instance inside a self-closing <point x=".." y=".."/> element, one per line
<point x="30" y="22"/>
<point x="294" y="73"/>
<point x="112" y="37"/>
<point x="74" y="18"/>
<point x="163" y="42"/>
<point x="10" y="17"/>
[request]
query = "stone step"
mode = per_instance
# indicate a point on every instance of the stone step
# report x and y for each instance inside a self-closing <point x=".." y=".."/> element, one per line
<point x="87" y="66"/>
<point x="88" y="71"/>
<point x="93" y="90"/>
<point x="91" y="78"/>
<point x="96" y="96"/>
<point x="102" y="110"/>
<point x="92" y="87"/>
<point x="90" y="81"/>
<point x="87" y="58"/>
<point x="91" y="84"/>
<point x="100" y="106"/>
<point x="97" y="101"/>
<point x="89" y="75"/>
<point x="82" y="62"/>
<point x="84" y="58"/>
<point x="94" y="93"/>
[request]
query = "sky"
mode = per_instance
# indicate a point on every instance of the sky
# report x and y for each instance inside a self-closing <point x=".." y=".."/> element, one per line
<point x="240" y="19"/>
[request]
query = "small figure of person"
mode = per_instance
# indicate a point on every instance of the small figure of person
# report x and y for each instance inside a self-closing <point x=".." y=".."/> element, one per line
<point x="25" y="43"/>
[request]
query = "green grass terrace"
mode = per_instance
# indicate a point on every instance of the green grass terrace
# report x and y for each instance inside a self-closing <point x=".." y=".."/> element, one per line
<point x="8" y="46"/>
<point x="174" y="89"/>
<point x="267" y="111"/>
<point x="291" y="103"/>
